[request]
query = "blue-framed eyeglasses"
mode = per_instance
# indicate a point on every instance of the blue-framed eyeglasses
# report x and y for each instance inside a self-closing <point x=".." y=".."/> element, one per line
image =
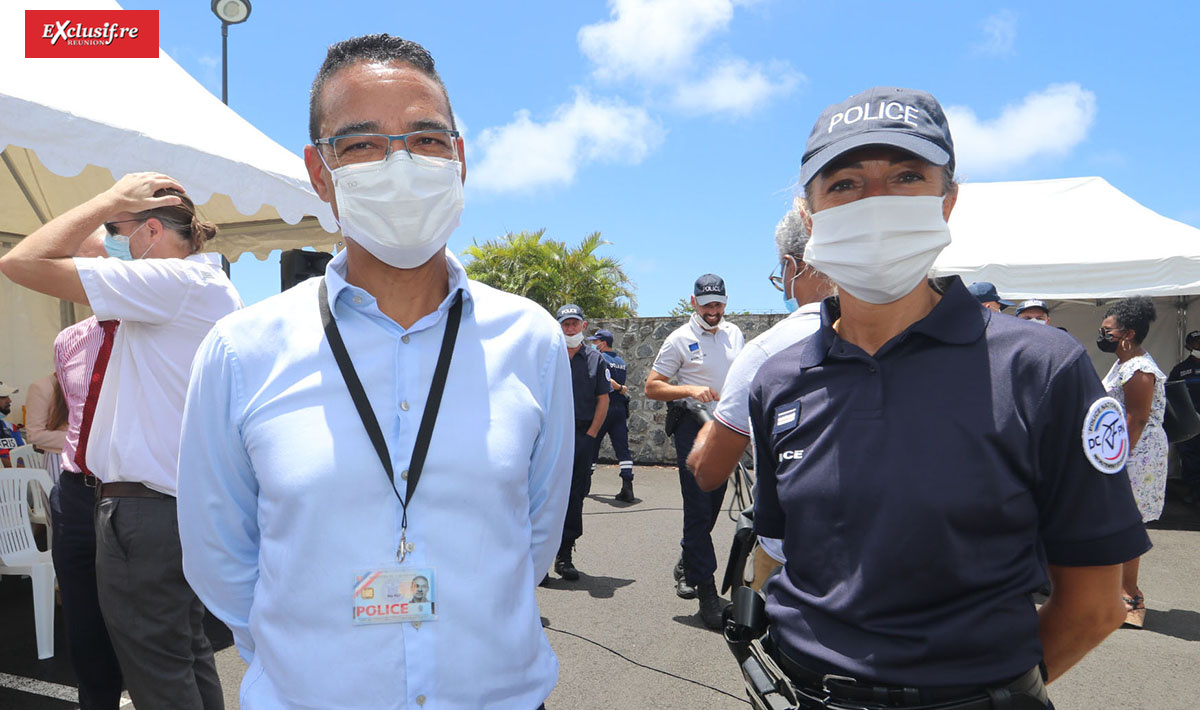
<point x="357" y="148"/>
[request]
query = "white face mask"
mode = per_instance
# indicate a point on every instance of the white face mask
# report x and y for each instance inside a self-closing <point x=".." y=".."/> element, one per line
<point x="1195" y="353"/>
<point x="574" y="341"/>
<point x="878" y="249"/>
<point x="1038" y="320"/>
<point x="703" y="324"/>
<point x="400" y="209"/>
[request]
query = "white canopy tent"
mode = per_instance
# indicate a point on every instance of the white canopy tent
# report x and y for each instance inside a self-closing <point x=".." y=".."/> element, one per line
<point x="68" y="129"/>
<point x="1078" y="243"/>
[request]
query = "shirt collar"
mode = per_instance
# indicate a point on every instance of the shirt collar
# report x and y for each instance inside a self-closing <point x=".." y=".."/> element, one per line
<point x="336" y="285"/>
<point x="957" y="319"/>
<point x="210" y="258"/>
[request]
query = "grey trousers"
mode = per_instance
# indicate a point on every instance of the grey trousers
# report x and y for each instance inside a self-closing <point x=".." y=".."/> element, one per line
<point x="154" y="618"/>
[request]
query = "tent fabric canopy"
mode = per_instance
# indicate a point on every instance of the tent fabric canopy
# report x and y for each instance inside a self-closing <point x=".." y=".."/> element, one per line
<point x="1074" y="238"/>
<point x="69" y="128"/>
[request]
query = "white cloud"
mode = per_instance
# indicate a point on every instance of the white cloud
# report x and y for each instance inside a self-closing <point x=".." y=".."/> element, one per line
<point x="1046" y="123"/>
<point x="526" y="154"/>
<point x="735" y="87"/>
<point x="999" y="34"/>
<point x="652" y="39"/>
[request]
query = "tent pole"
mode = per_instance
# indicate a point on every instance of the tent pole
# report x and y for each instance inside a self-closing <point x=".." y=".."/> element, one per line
<point x="1181" y="308"/>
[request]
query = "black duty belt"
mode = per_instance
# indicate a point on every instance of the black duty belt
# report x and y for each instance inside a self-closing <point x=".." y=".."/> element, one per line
<point x="1026" y="691"/>
<point x="83" y="479"/>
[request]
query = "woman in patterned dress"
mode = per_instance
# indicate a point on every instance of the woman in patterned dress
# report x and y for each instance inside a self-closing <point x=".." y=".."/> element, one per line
<point x="1136" y="381"/>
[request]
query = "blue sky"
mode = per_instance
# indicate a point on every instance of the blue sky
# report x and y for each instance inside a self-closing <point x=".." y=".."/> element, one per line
<point x="675" y="127"/>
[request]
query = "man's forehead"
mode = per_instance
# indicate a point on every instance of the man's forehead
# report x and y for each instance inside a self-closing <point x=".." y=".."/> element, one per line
<point x="376" y="96"/>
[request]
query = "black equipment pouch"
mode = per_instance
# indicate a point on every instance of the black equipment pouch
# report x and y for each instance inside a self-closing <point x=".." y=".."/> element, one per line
<point x="676" y="411"/>
<point x="767" y="686"/>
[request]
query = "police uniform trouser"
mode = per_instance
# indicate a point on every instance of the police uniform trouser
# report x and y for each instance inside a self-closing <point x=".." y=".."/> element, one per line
<point x="153" y="616"/>
<point x="72" y="504"/>
<point x="616" y="427"/>
<point x="700" y="509"/>
<point x="581" y="482"/>
<point x="1189" y="463"/>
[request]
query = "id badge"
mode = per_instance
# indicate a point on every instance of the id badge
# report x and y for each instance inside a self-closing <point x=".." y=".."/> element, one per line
<point x="393" y="596"/>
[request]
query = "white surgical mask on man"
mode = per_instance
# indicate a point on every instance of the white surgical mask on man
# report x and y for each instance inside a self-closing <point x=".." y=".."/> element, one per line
<point x="574" y="341"/>
<point x="1195" y="353"/>
<point x="401" y="209"/>
<point x="878" y="248"/>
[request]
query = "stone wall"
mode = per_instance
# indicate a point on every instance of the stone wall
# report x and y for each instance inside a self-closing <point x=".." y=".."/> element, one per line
<point x="637" y="341"/>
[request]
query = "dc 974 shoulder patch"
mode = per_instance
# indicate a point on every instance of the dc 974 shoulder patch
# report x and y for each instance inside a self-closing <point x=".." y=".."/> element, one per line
<point x="1105" y="438"/>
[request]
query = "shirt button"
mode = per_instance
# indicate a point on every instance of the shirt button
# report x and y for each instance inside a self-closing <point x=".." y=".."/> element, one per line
<point x="404" y="405"/>
<point x="404" y="475"/>
<point x="404" y="339"/>
<point x="410" y="546"/>
<point x="420" y="700"/>
<point x="358" y="300"/>
<point x="416" y="625"/>
<point x="871" y="369"/>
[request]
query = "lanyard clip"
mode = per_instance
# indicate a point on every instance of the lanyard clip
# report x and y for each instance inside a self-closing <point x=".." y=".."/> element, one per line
<point x="402" y="550"/>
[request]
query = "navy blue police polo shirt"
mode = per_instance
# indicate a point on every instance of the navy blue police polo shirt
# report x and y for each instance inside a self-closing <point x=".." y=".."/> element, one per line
<point x="617" y="370"/>
<point x="918" y="491"/>
<point x="588" y="382"/>
<point x="1189" y="372"/>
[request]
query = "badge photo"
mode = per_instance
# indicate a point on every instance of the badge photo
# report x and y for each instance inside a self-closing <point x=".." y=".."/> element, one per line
<point x="1105" y="437"/>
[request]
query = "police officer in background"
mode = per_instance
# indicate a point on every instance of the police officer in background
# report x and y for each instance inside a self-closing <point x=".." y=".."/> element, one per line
<point x="589" y="385"/>
<point x="697" y="355"/>
<point x="1189" y="451"/>
<point x="616" y="421"/>
<point x="918" y="451"/>
<point x="721" y="442"/>
<point x="985" y="293"/>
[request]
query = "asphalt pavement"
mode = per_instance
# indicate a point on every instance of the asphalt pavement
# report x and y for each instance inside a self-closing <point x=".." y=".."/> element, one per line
<point x="624" y="640"/>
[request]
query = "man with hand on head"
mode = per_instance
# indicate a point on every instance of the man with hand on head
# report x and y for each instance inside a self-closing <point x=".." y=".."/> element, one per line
<point x="989" y="435"/>
<point x="697" y="355"/>
<point x="590" y="391"/>
<point x="389" y="421"/>
<point x="616" y="421"/>
<point x="166" y="295"/>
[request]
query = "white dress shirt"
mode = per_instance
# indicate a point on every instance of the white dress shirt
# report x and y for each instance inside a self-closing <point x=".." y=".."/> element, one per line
<point x="283" y="498"/>
<point x="734" y="408"/>
<point x="166" y="307"/>
<point x="694" y="356"/>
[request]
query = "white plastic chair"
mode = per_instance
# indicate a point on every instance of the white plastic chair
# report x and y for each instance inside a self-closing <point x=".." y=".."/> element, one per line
<point x="28" y="457"/>
<point x="18" y="551"/>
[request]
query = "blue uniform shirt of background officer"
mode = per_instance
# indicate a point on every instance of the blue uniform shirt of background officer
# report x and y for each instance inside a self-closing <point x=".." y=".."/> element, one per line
<point x="284" y="502"/>
<point x="10" y="437"/>
<point x="590" y="389"/>
<point x="616" y="423"/>
<point x="918" y="451"/>
<point x="697" y="355"/>
<point x="1188" y="370"/>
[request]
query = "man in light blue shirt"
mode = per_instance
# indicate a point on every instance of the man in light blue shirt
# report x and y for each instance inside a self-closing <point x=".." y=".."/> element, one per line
<point x="296" y="533"/>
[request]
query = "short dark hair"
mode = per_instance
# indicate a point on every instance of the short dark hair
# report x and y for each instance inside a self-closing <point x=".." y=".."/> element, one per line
<point x="379" y="48"/>
<point x="1135" y="313"/>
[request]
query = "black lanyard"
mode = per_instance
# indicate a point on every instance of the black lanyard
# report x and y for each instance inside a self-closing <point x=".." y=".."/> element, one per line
<point x="363" y="405"/>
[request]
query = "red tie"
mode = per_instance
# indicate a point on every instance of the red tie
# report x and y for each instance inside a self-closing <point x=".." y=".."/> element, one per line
<point x="89" y="405"/>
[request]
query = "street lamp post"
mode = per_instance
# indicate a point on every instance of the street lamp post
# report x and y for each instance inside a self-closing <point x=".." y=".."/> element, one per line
<point x="229" y="12"/>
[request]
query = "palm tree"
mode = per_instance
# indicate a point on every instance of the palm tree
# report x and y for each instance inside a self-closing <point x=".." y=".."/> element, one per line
<point x="551" y="273"/>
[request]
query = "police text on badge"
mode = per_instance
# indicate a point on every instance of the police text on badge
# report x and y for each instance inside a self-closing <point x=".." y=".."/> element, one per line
<point x="1105" y="437"/>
